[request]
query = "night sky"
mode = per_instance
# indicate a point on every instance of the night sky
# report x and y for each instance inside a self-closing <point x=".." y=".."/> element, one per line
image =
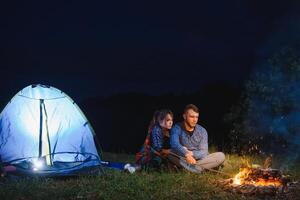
<point x="97" y="48"/>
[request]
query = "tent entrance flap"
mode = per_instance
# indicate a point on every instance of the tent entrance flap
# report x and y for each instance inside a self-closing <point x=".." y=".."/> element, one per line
<point x="44" y="140"/>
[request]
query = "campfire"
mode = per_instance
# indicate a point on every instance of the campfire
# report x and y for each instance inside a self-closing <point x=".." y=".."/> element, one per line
<point x="262" y="181"/>
<point x="258" y="177"/>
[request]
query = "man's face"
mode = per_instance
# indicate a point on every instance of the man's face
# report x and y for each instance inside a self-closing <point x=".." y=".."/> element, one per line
<point x="191" y="118"/>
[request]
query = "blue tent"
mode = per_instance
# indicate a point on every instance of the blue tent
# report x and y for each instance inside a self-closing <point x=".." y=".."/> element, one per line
<point x="43" y="131"/>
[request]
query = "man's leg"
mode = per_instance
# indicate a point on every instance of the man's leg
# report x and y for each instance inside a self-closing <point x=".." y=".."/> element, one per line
<point x="211" y="161"/>
<point x="181" y="163"/>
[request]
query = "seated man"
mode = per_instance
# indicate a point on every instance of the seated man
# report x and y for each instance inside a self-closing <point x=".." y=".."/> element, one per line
<point x="189" y="147"/>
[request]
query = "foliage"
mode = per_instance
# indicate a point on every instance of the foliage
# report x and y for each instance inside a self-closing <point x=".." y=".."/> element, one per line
<point x="268" y="114"/>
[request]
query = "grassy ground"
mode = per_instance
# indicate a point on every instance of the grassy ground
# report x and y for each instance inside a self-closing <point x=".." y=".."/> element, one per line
<point x="120" y="185"/>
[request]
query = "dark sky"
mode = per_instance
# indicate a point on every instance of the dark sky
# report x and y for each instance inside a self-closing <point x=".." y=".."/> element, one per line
<point x="95" y="48"/>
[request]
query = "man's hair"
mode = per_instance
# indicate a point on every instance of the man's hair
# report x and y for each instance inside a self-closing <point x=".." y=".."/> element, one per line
<point x="191" y="107"/>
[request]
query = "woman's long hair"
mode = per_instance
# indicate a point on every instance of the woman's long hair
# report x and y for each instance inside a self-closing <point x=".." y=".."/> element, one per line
<point x="158" y="116"/>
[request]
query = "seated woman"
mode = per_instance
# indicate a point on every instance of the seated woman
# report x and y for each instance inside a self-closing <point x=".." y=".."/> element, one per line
<point x="156" y="148"/>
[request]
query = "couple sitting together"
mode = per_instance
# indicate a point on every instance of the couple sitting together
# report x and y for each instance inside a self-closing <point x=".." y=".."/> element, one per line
<point x="183" y="145"/>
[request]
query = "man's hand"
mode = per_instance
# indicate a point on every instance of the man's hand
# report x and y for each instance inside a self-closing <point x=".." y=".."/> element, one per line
<point x="190" y="159"/>
<point x="189" y="153"/>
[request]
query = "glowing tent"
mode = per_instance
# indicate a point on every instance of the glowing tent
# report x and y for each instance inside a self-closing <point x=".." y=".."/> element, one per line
<point x="42" y="131"/>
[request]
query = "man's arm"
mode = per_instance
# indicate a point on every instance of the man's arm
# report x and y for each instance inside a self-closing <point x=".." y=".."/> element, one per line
<point x="175" y="143"/>
<point x="202" y="149"/>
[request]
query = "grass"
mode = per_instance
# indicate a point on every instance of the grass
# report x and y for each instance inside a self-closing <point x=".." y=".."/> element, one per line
<point x="120" y="185"/>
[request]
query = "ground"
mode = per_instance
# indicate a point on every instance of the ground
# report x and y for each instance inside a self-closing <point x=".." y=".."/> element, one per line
<point x="143" y="185"/>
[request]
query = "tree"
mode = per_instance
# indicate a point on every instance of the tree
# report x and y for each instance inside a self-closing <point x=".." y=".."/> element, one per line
<point x="268" y="115"/>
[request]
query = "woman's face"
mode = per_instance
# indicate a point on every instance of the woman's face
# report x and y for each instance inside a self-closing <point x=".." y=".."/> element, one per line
<point x="167" y="122"/>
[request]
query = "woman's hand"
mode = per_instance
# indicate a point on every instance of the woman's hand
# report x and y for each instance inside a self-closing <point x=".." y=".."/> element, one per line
<point x="165" y="152"/>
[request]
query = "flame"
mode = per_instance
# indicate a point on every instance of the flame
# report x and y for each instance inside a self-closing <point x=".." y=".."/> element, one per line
<point x="262" y="182"/>
<point x="242" y="178"/>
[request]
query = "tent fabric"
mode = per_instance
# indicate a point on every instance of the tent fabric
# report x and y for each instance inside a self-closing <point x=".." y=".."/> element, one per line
<point x="43" y="122"/>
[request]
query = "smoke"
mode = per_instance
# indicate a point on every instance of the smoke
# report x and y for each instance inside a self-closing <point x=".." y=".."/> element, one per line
<point x="273" y="105"/>
<point x="273" y="92"/>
